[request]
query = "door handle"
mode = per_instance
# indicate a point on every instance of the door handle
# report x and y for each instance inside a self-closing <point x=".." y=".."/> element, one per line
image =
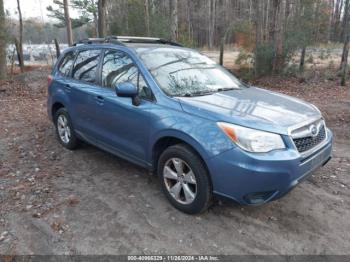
<point x="68" y="88"/>
<point x="100" y="100"/>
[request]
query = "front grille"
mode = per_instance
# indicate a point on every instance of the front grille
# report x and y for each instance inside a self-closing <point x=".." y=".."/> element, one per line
<point x="306" y="143"/>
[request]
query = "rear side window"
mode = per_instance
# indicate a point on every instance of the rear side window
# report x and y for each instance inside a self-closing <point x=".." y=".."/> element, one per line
<point x="66" y="64"/>
<point x="86" y="66"/>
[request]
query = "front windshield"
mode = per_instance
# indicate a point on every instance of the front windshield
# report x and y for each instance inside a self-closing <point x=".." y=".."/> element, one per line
<point x="181" y="72"/>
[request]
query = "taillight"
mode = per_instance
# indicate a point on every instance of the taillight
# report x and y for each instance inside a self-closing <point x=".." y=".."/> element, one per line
<point x="49" y="79"/>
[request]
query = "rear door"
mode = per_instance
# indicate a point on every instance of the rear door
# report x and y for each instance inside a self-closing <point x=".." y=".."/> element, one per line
<point x="61" y="80"/>
<point x="85" y="91"/>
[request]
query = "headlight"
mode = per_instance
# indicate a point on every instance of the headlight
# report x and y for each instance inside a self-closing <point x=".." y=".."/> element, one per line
<point x="252" y="140"/>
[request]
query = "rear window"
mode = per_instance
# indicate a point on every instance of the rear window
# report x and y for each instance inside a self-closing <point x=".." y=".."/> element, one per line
<point x="85" y="67"/>
<point x="66" y="64"/>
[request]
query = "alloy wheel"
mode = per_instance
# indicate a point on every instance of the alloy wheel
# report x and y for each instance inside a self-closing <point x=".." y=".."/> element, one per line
<point x="63" y="128"/>
<point x="180" y="181"/>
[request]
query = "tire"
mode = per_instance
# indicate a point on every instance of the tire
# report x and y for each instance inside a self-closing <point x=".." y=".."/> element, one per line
<point x="70" y="142"/>
<point x="181" y="157"/>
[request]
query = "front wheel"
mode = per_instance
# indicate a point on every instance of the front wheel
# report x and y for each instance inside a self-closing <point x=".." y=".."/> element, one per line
<point x="184" y="179"/>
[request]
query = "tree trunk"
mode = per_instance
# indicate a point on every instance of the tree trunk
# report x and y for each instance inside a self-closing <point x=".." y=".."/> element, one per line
<point x="20" y="43"/>
<point x="267" y="23"/>
<point x="337" y="15"/>
<point x="12" y="61"/>
<point x="68" y="23"/>
<point x="18" y="49"/>
<point x="212" y="19"/>
<point x="345" y="22"/>
<point x="257" y="20"/>
<point x="302" y="60"/>
<point x="3" y="68"/>
<point x="278" y="61"/>
<point x="147" y="18"/>
<point x="95" y="24"/>
<point x="58" y="51"/>
<point x="273" y="21"/>
<point x="173" y="20"/>
<point x="101" y="18"/>
<point x="345" y="63"/>
<point x="222" y="47"/>
<point x="189" y="20"/>
<point x="331" y="20"/>
<point x="345" y="33"/>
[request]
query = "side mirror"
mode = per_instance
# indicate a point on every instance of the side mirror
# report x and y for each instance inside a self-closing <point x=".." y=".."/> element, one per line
<point x="128" y="89"/>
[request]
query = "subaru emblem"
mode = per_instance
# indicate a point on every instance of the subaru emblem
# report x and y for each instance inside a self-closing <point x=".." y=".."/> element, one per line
<point x="313" y="130"/>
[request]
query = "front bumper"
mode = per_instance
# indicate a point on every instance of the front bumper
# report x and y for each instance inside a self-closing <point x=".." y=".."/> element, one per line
<point x="259" y="178"/>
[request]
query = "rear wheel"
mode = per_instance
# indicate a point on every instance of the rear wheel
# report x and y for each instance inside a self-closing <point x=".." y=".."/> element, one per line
<point x="64" y="129"/>
<point x="184" y="179"/>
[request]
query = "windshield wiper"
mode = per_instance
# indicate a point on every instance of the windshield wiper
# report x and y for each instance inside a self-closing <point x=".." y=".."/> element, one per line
<point x="208" y="92"/>
<point x="199" y="93"/>
<point x="226" y="89"/>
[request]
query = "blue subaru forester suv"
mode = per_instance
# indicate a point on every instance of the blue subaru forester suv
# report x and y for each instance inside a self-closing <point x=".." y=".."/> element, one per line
<point x="176" y="112"/>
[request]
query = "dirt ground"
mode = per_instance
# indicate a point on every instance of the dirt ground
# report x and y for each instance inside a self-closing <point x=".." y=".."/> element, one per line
<point x="54" y="201"/>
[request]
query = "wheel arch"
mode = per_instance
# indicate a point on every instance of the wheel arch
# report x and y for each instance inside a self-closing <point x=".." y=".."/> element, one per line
<point x="165" y="141"/>
<point x="55" y="107"/>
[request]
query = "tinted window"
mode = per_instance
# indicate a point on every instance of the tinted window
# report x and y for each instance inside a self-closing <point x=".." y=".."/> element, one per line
<point x="85" y="66"/>
<point x="118" y="67"/>
<point x="66" y="64"/>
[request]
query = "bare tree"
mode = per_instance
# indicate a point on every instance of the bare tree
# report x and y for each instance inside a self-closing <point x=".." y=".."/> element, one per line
<point x="345" y="32"/>
<point x="336" y="19"/>
<point x="2" y="42"/>
<point x="173" y="20"/>
<point x="68" y="22"/>
<point x="147" y="17"/>
<point x="279" y="15"/>
<point x="20" y="42"/>
<point x="101" y="18"/>
<point x="257" y="22"/>
<point x="189" y="20"/>
<point x="302" y="59"/>
<point x="57" y="46"/>
<point x="344" y="64"/>
<point x="212" y="20"/>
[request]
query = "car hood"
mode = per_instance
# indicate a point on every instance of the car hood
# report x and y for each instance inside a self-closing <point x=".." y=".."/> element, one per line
<point x="252" y="107"/>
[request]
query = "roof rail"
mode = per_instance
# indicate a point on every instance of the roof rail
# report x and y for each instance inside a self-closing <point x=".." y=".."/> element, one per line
<point x="87" y="41"/>
<point x="120" y="40"/>
<point x="136" y="39"/>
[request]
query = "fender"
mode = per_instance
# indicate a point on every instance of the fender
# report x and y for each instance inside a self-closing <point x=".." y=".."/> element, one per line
<point x="59" y="96"/>
<point x="207" y="144"/>
<point x="171" y="133"/>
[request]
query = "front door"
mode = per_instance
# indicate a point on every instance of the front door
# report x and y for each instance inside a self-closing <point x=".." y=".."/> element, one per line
<point x="126" y="127"/>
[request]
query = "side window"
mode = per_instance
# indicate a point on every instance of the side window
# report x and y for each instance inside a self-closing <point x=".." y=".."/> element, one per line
<point x="118" y="67"/>
<point x="144" y="91"/>
<point x="85" y="66"/>
<point x="66" y="64"/>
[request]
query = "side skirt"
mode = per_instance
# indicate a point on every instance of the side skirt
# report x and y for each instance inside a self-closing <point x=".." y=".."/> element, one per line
<point x="114" y="151"/>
